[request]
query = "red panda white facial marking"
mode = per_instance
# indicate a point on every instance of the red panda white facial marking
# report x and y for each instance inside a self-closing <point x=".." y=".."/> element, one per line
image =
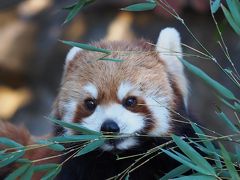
<point x="136" y="96"/>
<point x="91" y="90"/>
<point x="69" y="108"/>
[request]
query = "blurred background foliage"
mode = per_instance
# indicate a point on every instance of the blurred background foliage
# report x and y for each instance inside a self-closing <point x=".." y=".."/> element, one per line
<point x="32" y="58"/>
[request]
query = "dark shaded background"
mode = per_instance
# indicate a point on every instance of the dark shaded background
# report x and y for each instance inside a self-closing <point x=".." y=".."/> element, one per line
<point x="32" y="58"/>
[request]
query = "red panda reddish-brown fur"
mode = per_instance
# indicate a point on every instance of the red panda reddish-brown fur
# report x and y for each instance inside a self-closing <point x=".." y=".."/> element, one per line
<point x="23" y="137"/>
<point x="147" y="71"/>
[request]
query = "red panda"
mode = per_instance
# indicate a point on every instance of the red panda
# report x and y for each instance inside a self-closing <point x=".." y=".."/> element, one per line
<point x="139" y="95"/>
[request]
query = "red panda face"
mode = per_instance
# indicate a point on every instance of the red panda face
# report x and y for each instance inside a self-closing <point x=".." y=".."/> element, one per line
<point x="133" y="96"/>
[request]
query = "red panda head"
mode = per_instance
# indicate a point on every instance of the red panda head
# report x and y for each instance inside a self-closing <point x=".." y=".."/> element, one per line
<point x="137" y="95"/>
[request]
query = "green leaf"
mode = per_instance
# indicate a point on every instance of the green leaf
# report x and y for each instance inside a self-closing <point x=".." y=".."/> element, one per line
<point x="45" y="167"/>
<point x="75" y="127"/>
<point x="74" y="11"/>
<point x="230" y="20"/>
<point x="18" y="172"/>
<point x="70" y="7"/>
<point x="223" y="91"/>
<point x="74" y="138"/>
<point x="208" y="144"/>
<point x="225" y="119"/>
<point x="229" y="71"/>
<point x="50" y="145"/>
<point x="86" y="47"/>
<point x="111" y="59"/>
<point x="203" y="149"/>
<point x="90" y="147"/>
<point x="215" y="4"/>
<point x="140" y="7"/>
<point x="195" y="177"/>
<point x="226" y="103"/>
<point x="186" y="163"/>
<point x="234" y="11"/>
<point x="23" y="160"/>
<point x="3" y="156"/>
<point x="231" y="169"/>
<point x="237" y="106"/>
<point x="126" y="177"/>
<point x="11" y="158"/>
<point x="27" y="174"/>
<point x="237" y="151"/>
<point x="210" y="152"/>
<point x="9" y="142"/>
<point x="237" y="2"/>
<point x="52" y="173"/>
<point x="194" y="155"/>
<point x="151" y="1"/>
<point x="175" y="172"/>
<point x="181" y="156"/>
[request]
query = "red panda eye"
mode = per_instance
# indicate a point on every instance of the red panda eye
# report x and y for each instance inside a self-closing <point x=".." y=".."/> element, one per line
<point x="130" y="101"/>
<point x="90" y="104"/>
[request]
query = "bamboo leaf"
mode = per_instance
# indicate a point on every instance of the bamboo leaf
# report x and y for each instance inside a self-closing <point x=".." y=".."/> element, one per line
<point x="226" y="103"/>
<point x="86" y="47"/>
<point x="74" y="11"/>
<point x="230" y="20"/>
<point x="90" y="147"/>
<point x="45" y="167"/>
<point x="151" y="1"/>
<point x="225" y="119"/>
<point x="181" y="156"/>
<point x="127" y="177"/>
<point x="231" y="169"/>
<point x="195" y="177"/>
<point x="186" y="163"/>
<point x="237" y="2"/>
<point x="208" y="144"/>
<point x="70" y="7"/>
<point x="175" y="172"/>
<point x="111" y="59"/>
<point x="232" y="5"/>
<point x="75" y="127"/>
<point x="18" y="172"/>
<point x="203" y="149"/>
<point x="237" y="106"/>
<point x="140" y="7"/>
<point x="50" y="145"/>
<point x="52" y="173"/>
<point x="11" y="158"/>
<point x="237" y="152"/>
<point x="201" y="134"/>
<point x="9" y="142"/>
<point x="3" y="156"/>
<point x="74" y="138"/>
<point x="223" y="91"/>
<point x="27" y="174"/>
<point x="194" y="155"/>
<point x="229" y="71"/>
<point x="215" y="4"/>
<point x="23" y="160"/>
<point x="210" y="152"/>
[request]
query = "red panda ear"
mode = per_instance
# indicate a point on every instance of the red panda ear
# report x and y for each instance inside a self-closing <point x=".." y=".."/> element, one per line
<point x="170" y="50"/>
<point x="71" y="54"/>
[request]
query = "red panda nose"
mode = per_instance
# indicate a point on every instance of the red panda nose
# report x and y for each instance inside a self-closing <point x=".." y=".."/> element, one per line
<point x="110" y="126"/>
